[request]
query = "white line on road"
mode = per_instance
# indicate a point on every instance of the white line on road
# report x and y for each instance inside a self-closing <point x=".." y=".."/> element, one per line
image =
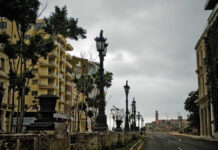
<point x="179" y="148"/>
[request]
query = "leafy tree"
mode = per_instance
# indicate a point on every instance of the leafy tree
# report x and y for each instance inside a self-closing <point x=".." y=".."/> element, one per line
<point x="58" y="23"/>
<point x="25" y="53"/>
<point x="85" y="85"/>
<point x="108" y="77"/>
<point x="193" y="109"/>
<point x="24" y="13"/>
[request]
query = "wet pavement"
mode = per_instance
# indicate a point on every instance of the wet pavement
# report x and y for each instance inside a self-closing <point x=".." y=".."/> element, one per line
<point x="165" y="141"/>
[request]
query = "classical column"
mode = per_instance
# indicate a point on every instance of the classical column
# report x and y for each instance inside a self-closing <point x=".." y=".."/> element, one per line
<point x="204" y="122"/>
<point x="201" y="122"/>
<point x="3" y="120"/>
<point x="208" y="122"/>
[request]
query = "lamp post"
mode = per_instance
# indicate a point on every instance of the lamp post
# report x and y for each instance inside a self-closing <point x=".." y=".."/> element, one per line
<point x="101" y="120"/>
<point x="126" y="88"/>
<point x="138" y="117"/>
<point x="142" y="122"/>
<point x="2" y="91"/>
<point x="134" y="114"/>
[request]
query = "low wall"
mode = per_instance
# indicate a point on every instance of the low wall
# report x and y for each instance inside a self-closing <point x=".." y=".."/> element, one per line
<point x="62" y="141"/>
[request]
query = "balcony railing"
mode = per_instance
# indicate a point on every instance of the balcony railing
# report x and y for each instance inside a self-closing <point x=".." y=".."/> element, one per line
<point x="48" y="64"/>
<point x="50" y="86"/>
<point x="54" y="53"/>
<point x="68" y="92"/>
<point x="49" y="75"/>
<point x="68" y="83"/>
<point x="68" y="64"/>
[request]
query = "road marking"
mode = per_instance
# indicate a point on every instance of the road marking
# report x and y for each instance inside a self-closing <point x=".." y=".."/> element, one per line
<point x="179" y="148"/>
<point x="140" y="146"/>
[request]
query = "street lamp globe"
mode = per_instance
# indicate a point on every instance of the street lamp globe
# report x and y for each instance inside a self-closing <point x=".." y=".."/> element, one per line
<point x="126" y="88"/>
<point x="105" y="49"/>
<point x="100" y="42"/>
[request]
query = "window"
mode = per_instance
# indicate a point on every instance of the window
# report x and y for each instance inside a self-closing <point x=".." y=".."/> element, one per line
<point x="2" y="64"/>
<point x="34" y="82"/>
<point x="39" y="26"/>
<point x="35" y="107"/>
<point x="34" y="93"/>
<point x="3" y="25"/>
<point x="27" y="37"/>
<point x="35" y="70"/>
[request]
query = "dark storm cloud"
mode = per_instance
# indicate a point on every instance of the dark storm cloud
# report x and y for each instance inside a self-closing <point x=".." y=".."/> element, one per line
<point x="151" y="43"/>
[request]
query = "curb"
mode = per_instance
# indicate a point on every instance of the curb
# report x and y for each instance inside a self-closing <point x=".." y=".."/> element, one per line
<point x="139" y="142"/>
<point x="135" y="145"/>
<point x="196" y="137"/>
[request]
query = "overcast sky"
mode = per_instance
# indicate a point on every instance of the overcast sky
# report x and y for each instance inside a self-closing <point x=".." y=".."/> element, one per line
<point x="151" y="44"/>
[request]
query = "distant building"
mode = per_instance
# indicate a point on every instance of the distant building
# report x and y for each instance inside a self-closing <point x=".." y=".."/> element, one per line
<point x="156" y="116"/>
<point x="163" y="125"/>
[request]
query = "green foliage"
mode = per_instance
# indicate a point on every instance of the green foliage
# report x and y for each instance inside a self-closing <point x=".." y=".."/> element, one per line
<point x="84" y="84"/>
<point x="190" y="104"/>
<point x="82" y="106"/>
<point x="90" y="114"/>
<point x="108" y="77"/>
<point x="23" y="12"/>
<point x="59" y="23"/>
<point x="188" y="130"/>
<point x="211" y="60"/>
<point x="193" y="109"/>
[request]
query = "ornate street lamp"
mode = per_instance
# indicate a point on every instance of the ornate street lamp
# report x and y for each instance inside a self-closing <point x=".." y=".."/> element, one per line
<point x="101" y="120"/>
<point x="126" y="88"/>
<point x="139" y="117"/>
<point x="134" y="114"/>
<point x="2" y="91"/>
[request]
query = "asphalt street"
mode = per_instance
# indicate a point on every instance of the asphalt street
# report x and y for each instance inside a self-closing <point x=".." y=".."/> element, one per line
<point x="165" y="141"/>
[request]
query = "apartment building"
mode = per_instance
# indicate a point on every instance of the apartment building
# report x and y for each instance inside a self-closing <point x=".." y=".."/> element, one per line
<point x="5" y="106"/>
<point x="53" y="75"/>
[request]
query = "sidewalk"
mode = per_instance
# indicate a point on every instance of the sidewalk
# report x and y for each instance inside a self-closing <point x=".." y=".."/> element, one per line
<point x="194" y="136"/>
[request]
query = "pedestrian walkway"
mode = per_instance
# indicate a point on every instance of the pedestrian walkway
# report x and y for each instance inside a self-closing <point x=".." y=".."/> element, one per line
<point x="194" y="136"/>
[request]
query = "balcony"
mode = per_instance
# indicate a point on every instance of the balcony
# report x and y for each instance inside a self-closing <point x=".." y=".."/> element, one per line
<point x="62" y="48"/>
<point x="61" y="77"/>
<point x="54" y="53"/>
<point x="68" y="83"/>
<point x="68" y="65"/>
<point x="62" y="89"/>
<point x="62" y="98"/>
<point x="68" y="93"/>
<point x="49" y="75"/>
<point x="50" y="64"/>
<point x="47" y="86"/>
<point x="62" y="69"/>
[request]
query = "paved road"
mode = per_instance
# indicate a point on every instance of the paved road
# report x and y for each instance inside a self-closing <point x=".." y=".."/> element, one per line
<point x="164" y="141"/>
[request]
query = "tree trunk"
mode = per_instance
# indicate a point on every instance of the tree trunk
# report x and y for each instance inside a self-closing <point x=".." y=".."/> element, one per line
<point x="78" y="120"/>
<point x="20" y="125"/>
<point x="12" y="112"/>
<point x="18" y="112"/>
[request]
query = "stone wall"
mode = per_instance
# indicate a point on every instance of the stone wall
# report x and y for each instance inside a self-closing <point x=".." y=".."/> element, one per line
<point x="60" y="141"/>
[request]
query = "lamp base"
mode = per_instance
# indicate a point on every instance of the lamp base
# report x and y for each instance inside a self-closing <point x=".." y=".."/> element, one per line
<point x="101" y="123"/>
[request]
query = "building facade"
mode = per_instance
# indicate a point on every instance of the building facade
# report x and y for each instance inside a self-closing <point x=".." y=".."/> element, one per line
<point x="53" y="75"/>
<point x="208" y="108"/>
<point x="203" y="101"/>
<point x="5" y="106"/>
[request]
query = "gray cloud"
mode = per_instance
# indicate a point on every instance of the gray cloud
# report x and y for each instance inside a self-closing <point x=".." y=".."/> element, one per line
<point x="151" y="43"/>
